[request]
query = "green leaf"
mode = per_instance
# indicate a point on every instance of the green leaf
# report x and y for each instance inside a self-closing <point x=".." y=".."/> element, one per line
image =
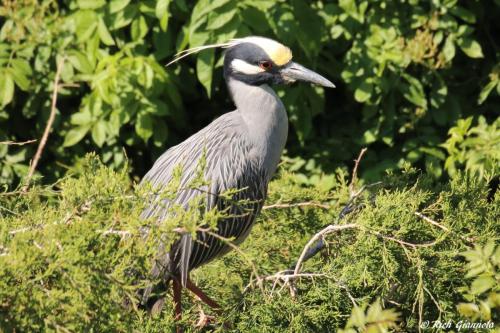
<point x="357" y="318"/>
<point x="485" y="92"/>
<point x="6" y="89"/>
<point x="117" y="5"/>
<point x="21" y="65"/>
<point x="256" y="19"/>
<point x="79" y="60"/>
<point x="91" y="4"/>
<point x="374" y="312"/>
<point x="160" y="107"/>
<point x="99" y="133"/>
<point x="433" y="152"/>
<point x="489" y="248"/>
<point x="204" y="69"/>
<point x="204" y="7"/>
<point x="161" y="8"/>
<point x="6" y="30"/>
<point x="449" y="48"/>
<point x="336" y="31"/>
<point x="67" y="72"/>
<point x="144" y="126"/>
<point x="139" y="28"/>
<point x="160" y="133"/>
<point x="161" y="12"/>
<point x="75" y="135"/>
<point x="104" y="33"/>
<point x="349" y="6"/>
<point x="363" y="92"/>
<point x="464" y="14"/>
<point x="220" y="19"/>
<point x="470" y="47"/>
<point x="81" y="118"/>
<point x="369" y="136"/>
<point x="86" y="23"/>
<point x="124" y="17"/>
<point x="19" y="78"/>
<point x="438" y="97"/>
<point x="482" y="284"/>
<point x="414" y="92"/>
<point x="198" y="38"/>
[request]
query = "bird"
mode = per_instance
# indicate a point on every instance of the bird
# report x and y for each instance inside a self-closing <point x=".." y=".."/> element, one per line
<point x="241" y="149"/>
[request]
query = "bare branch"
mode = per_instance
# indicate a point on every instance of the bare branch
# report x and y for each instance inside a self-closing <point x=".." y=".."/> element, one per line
<point x="13" y="232"/>
<point x="121" y="233"/>
<point x="401" y="242"/>
<point x="354" y="178"/>
<point x="440" y="226"/>
<point x="14" y="143"/>
<point x="48" y="127"/>
<point x="69" y="85"/>
<point x="298" y="204"/>
<point x="431" y="221"/>
<point x="316" y="237"/>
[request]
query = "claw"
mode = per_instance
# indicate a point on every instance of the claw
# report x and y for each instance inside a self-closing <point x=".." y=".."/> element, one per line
<point x="204" y="319"/>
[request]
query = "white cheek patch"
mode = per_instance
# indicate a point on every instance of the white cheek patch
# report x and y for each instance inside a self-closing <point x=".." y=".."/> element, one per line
<point x="244" y="67"/>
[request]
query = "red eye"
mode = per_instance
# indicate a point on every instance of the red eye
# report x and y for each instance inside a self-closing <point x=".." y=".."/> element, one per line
<point x="265" y="65"/>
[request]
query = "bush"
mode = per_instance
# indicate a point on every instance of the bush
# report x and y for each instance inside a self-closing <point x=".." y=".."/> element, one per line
<point x="67" y="253"/>
<point x="406" y="73"/>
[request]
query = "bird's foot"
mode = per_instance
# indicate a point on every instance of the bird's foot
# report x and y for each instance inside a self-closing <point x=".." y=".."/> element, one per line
<point x="204" y="319"/>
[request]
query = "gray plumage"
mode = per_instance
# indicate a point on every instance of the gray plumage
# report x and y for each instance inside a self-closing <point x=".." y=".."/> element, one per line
<point x="242" y="149"/>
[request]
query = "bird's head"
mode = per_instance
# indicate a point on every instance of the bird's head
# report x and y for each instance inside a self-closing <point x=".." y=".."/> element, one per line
<point x="259" y="60"/>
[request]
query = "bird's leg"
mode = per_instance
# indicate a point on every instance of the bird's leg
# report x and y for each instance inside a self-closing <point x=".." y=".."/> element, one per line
<point x="197" y="291"/>
<point x="177" y="300"/>
<point x="204" y="319"/>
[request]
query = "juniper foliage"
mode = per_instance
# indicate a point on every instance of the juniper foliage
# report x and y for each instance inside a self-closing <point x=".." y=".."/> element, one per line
<point x="72" y="253"/>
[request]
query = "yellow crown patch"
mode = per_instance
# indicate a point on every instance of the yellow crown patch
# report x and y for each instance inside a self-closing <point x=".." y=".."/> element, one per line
<point x="279" y="53"/>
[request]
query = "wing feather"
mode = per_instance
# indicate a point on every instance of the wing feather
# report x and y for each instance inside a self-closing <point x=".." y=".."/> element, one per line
<point x="228" y="166"/>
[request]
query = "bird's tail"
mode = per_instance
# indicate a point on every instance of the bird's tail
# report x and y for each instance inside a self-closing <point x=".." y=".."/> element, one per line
<point x="153" y="297"/>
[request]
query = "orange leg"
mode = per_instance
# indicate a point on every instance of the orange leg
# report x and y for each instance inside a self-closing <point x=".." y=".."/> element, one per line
<point x="177" y="300"/>
<point x="198" y="292"/>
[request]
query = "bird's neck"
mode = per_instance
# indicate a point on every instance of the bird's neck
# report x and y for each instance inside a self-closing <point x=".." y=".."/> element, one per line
<point x="265" y="118"/>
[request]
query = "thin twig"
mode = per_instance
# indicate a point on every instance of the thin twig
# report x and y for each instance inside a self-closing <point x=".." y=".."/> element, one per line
<point x="310" y="251"/>
<point x="121" y="233"/>
<point x="298" y="204"/>
<point x="14" y="143"/>
<point x="440" y="226"/>
<point x="401" y="242"/>
<point x="48" y="127"/>
<point x="434" y="300"/>
<point x="355" y="171"/>
<point x="431" y="221"/>
<point x="317" y="236"/>
<point x="13" y="232"/>
<point x="69" y="85"/>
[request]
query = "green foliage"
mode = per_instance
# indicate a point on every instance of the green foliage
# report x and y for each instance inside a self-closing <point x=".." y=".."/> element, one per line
<point x="72" y="253"/>
<point x="406" y="72"/>
<point x="374" y="320"/>
<point x="484" y="266"/>
<point x="477" y="148"/>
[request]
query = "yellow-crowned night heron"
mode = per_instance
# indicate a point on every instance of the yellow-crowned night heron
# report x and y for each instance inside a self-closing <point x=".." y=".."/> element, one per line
<point x="242" y="149"/>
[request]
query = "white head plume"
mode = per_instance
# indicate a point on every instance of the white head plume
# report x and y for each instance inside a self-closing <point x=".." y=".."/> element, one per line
<point x="278" y="52"/>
